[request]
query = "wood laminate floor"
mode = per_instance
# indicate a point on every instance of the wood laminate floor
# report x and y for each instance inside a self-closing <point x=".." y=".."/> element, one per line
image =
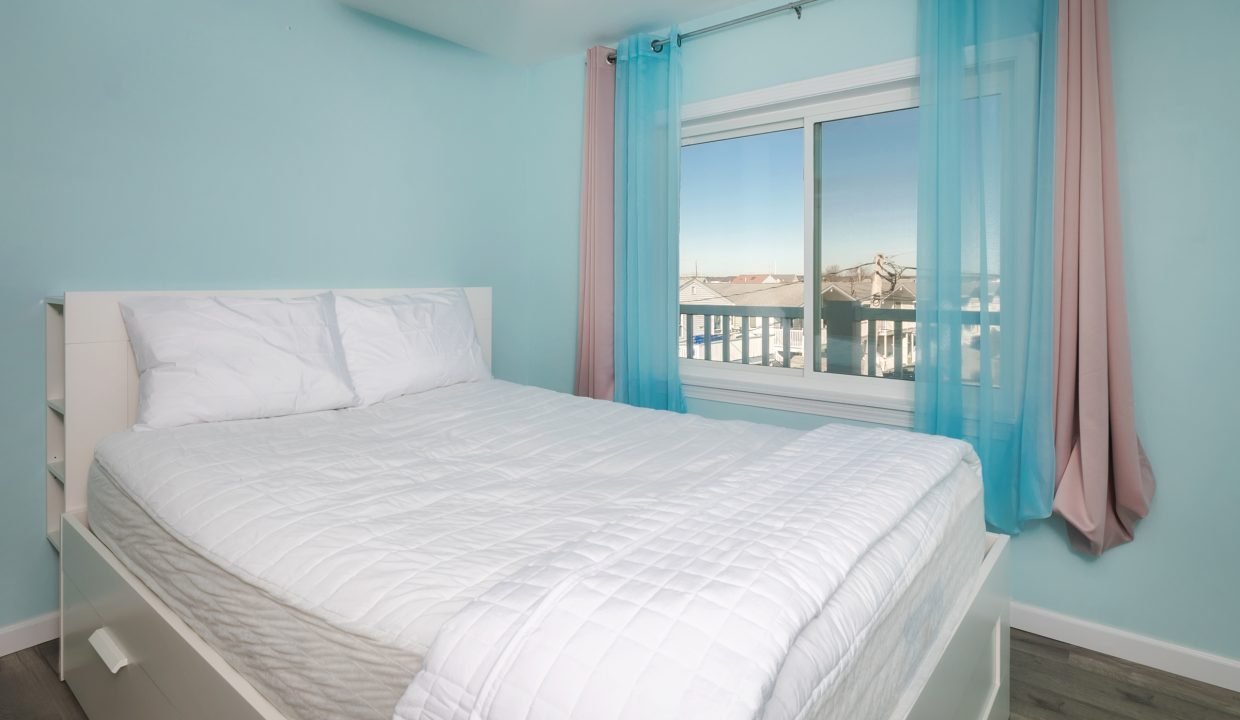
<point x="1053" y="681"/>
<point x="30" y="687"/>
<point x="1050" y="681"/>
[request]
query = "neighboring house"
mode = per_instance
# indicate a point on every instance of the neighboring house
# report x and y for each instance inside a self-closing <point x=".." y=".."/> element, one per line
<point x="767" y="279"/>
<point x="878" y="292"/>
<point x="861" y="289"/>
<point x="699" y="291"/>
<point x="784" y="294"/>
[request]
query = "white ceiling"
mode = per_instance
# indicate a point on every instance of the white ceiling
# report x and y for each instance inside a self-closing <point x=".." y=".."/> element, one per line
<point x="530" y="31"/>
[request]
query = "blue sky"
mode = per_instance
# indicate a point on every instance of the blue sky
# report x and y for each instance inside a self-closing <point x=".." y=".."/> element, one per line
<point x="742" y="199"/>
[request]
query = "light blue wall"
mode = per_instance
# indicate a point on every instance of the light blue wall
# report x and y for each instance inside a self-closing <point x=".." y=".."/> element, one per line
<point x="284" y="143"/>
<point x="534" y="270"/>
<point x="226" y="143"/>
<point x="831" y="37"/>
<point x="1176" y="101"/>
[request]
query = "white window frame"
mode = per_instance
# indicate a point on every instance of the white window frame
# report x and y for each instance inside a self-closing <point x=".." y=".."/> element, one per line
<point x="867" y="91"/>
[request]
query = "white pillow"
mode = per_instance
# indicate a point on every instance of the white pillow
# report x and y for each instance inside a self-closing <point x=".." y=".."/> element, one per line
<point x="203" y="359"/>
<point x="409" y="343"/>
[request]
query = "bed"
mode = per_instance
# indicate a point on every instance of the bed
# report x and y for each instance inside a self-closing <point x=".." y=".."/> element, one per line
<point x="351" y="563"/>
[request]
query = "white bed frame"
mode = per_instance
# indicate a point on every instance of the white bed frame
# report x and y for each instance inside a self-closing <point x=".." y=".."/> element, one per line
<point x="127" y="656"/>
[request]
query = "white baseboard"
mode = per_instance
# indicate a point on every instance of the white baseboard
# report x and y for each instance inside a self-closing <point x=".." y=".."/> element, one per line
<point x="28" y="633"/>
<point x="1161" y="655"/>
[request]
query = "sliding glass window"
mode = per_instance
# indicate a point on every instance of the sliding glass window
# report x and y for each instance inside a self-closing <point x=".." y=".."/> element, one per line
<point x="865" y="244"/>
<point x="744" y="245"/>
<point x="742" y="260"/>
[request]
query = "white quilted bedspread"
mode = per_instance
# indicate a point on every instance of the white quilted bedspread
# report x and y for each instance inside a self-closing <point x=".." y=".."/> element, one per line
<point x="553" y="572"/>
<point x="690" y="609"/>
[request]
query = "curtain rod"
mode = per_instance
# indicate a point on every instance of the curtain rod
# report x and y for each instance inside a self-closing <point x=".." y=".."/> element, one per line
<point x="657" y="45"/>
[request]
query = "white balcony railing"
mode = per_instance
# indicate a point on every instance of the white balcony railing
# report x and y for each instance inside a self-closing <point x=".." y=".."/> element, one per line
<point x="856" y="338"/>
<point x="751" y="335"/>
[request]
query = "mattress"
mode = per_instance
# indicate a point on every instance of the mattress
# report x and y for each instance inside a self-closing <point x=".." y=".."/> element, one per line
<point x="880" y="665"/>
<point x="251" y="530"/>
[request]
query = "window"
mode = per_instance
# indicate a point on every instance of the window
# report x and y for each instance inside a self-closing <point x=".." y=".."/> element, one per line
<point x="741" y="247"/>
<point x="865" y="190"/>
<point x="798" y="244"/>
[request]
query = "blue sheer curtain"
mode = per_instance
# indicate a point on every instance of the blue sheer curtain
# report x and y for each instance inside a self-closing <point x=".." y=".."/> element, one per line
<point x="984" y="253"/>
<point x="647" y="223"/>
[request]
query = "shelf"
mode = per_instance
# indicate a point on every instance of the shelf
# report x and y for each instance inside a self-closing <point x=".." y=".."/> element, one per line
<point x="58" y="492"/>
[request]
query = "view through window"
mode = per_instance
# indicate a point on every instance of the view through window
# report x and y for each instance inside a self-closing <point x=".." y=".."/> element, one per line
<point x="866" y="242"/>
<point x="742" y="257"/>
<point x="742" y="248"/>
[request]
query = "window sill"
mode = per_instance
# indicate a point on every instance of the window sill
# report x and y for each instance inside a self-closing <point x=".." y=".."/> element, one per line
<point x="788" y="391"/>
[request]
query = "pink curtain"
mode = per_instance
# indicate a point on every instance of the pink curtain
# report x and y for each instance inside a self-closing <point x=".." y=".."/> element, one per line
<point x="596" y="361"/>
<point x="1104" y="483"/>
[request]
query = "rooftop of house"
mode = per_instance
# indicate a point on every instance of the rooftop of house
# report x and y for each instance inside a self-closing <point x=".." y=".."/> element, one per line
<point x="746" y="290"/>
<point x="704" y="292"/>
<point x="766" y="278"/>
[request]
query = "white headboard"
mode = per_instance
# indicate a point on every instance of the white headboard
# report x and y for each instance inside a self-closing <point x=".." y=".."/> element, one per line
<point x="101" y="380"/>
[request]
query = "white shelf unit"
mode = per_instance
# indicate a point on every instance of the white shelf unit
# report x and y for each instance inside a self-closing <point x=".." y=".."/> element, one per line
<point x="91" y="392"/>
<point x="81" y="410"/>
<point x="54" y="385"/>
